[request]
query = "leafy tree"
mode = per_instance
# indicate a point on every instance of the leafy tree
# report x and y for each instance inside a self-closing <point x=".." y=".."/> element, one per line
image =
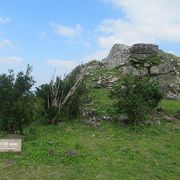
<point x="137" y="97"/>
<point x="16" y="100"/>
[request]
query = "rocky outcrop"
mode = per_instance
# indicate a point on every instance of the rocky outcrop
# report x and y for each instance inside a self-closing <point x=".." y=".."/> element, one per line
<point x="139" y="52"/>
<point x="141" y="48"/>
<point x="167" y="72"/>
<point x="105" y="82"/>
<point x="118" y="55"/>
<point x="90" y="115"/>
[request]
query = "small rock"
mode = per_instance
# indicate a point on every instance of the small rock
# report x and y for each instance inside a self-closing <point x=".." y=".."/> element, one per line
<point x="98" y="124"/>
<point x="122" y="118"/>
<point x="177" y="116"/>
<point x="106" y="118"/>
<point x="149" y="122"/>
<point x="90" y="122"/>
<point x="169" y="118"/>
<point x="72" y="153"/>
<point x="52" y="152"/>
<point x="160" y="109"/>
<point x="158" y="122"/>
<point x="60" y="124"/>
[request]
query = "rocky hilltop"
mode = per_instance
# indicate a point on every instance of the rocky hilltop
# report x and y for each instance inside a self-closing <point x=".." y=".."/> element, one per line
<point x="167" y="72"/>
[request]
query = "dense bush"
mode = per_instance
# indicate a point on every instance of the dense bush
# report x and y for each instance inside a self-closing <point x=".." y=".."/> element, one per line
<point x="72" y="107"/>
<point x="16" y="101"/>
<point x="54" y="93"/>
<point x="137" y="97"/>
<point x="74" y="104"/>
<point x="48" y="112"/>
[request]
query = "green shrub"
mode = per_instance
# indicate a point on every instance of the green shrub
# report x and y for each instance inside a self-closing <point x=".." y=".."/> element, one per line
<point x="137" y="97"/>
<point x="52" y="95"/>
<point x="16" y="101"/>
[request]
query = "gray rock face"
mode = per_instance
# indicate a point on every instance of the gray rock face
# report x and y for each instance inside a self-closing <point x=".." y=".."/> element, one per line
<point x="141" y="48"/>
<point x="139" y="52"/>
<point x="90" y="116"/>
<point x="118" y="55"/>
<point x="167" y="73"/>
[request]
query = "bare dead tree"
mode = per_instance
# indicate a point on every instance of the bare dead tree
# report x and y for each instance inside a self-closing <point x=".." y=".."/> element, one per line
<point x="79" y="79"/>
<point x="57" y="101"/>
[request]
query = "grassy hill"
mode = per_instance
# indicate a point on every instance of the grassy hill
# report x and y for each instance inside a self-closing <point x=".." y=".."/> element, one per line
<point x="107" y="150"/>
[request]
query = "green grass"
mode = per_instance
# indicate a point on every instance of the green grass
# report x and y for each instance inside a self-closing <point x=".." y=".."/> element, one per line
<point x="110" y="151"/>
<point x="102" y="95"/>
<point x="102" y="101"/>
<point x="172" y="106"/>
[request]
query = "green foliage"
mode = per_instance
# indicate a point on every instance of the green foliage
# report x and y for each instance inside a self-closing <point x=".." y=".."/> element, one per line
<point x="74" y="104"/>
<point x="38" y="109"/>
<point x="137" y="97"/>
<point x="171" y="106"/>
<point x="16" y="101"/>
<point x="148" y="63"/>
<point x="51" y="108"/>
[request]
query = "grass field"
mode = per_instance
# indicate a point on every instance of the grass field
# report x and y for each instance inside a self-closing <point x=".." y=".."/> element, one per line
<point x="109" y="151"/>
<point x="171" y="105"/>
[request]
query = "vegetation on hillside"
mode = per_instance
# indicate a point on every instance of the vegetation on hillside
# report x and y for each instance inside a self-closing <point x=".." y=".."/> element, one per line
<point x="106" y="150"/>
<point x="147" y="63"/>
<point x="137" y="97"/>
<point x="62" y="96"/>
<point x="109" y="151"/>
<point x="16" y="101"/>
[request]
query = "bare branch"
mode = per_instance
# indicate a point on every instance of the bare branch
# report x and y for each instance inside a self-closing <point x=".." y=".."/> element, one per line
<point x="74" y="87"/>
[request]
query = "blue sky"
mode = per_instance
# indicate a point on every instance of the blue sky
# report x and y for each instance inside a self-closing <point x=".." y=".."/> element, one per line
<point x="61" y="34"/>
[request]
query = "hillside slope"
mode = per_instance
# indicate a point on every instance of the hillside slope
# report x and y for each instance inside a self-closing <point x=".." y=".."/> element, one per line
<point x="108" y="150"/>
<point x="97" y="145"/>
<point x="167" y="72"/>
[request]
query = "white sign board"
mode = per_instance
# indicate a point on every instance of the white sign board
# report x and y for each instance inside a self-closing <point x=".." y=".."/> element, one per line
<point x="10" y="145"/>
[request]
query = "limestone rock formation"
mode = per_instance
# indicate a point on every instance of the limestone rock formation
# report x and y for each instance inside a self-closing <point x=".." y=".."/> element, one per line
<point x="139" y="52"/>
<point x="118" y="55"/>
<point x="167" y="72"/>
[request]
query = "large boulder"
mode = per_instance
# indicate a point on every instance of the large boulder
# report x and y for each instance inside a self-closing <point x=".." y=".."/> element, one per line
<point x="144" y="49"/>
<point x="167" y="72"/>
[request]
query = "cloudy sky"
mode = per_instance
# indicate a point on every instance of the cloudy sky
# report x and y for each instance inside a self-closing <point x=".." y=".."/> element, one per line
<point x="61" y="34"/>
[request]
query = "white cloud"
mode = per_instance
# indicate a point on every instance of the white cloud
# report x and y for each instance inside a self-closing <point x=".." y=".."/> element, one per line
<point x="64" y="64"/>
<point x="172" y="52"/>
<point x="97" y="55"/>
<point x="12" y="60"/>
<point x="4" y="20"/>
<point x="144" y="21"/>
<point x="67" y="31"/>
<point x="5" y="43"/>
